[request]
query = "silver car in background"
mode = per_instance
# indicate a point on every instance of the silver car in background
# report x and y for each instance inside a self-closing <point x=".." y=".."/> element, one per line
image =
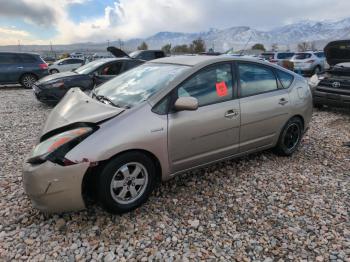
<point x="309" y="63"/>
<point x="158" y="120"/>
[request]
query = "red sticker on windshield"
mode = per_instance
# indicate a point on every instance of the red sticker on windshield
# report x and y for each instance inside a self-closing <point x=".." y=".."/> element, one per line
<point x="221" y="89"/>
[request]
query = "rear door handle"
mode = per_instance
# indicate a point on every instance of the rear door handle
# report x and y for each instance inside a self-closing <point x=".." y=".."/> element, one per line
<point x="20" y="67"/>
<point x="231" y="113"/>
<point x="283" y="101"/>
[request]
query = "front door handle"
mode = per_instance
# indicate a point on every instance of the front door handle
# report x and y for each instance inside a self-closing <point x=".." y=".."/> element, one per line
<point x="20" y="67"/>
<point x="231" y="113"/>
<point x="283" y="101"/>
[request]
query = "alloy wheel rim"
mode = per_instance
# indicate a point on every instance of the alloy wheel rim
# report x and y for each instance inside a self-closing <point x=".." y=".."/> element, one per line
<point x="129" y="183"/>
<point x="291" y="138"/>
<point x="28" y="81"/>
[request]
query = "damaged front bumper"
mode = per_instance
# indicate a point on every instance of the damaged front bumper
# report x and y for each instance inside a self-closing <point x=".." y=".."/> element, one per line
<point x="54" y="188"/>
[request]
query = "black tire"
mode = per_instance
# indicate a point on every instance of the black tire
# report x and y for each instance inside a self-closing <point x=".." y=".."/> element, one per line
<point x="27" y="80"/>
<point x="290" y="137"/>
<point x="54" y="71"/>
<point x="107" y="196"/>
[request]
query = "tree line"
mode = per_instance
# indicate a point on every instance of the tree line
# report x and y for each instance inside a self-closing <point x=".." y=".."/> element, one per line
<point x="197" y="46"/>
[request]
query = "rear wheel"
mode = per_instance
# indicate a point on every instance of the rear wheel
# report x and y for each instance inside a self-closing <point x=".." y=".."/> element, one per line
<point x="54" y="71"/>
<point x="126" y="182"/>
<point x="290" y="137"/>
<point x="27" y="80"/>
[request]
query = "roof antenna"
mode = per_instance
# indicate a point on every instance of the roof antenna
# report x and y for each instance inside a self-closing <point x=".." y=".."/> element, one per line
<point x="243" y="50"/>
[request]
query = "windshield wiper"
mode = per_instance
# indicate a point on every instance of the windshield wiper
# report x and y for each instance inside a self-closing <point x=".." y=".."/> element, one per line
<point x="104" y="99"/>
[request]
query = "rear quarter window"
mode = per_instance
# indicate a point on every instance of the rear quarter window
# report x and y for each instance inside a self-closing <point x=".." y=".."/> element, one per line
<point x="285" y="78"/>
<point x="26" y="58"/>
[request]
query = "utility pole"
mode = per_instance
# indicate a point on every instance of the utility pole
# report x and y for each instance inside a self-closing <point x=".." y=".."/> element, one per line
<point x="107" y="43"/>
<point x="19" y="45"/>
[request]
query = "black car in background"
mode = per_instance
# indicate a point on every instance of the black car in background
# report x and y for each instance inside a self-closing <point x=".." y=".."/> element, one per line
<point x="52" y="88"/>
<point x="333" y="87"/>
<point x="23" y="68"/>
<point x="147" y="54"/>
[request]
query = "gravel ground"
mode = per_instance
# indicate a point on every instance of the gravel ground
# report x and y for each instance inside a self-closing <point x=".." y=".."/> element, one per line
<point x="257" y="208"/>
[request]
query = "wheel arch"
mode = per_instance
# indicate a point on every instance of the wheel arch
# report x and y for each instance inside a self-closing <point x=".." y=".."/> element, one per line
<point x="301" y="118"/>
<point x="28" y="73"/>
<point x="91" y="175"/>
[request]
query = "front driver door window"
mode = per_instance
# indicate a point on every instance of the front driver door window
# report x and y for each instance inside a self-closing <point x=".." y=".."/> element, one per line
<point x="212" y="131"/>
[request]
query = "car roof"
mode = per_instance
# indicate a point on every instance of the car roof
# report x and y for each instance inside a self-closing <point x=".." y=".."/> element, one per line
<point x="18" y="53"/>
<point x="199" y="60"/>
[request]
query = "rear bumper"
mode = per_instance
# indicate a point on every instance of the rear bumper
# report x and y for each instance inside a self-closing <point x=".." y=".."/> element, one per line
<point x="331" y="97"/>
<point x="55" y="188"/>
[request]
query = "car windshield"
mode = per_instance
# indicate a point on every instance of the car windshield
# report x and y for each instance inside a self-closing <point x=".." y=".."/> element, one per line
<point x="138" y="84"/>
<point x="134" y="54"/>
<point x="89" y="68"/>
<point x="302" y="56"/>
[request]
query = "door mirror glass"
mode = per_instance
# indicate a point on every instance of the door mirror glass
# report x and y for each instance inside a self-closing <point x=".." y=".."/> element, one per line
<point x="186" y="104"/>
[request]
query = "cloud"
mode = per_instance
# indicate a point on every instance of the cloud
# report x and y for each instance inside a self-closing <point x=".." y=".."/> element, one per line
<point x="32" y="11"/>
<point x="134" y="18"/>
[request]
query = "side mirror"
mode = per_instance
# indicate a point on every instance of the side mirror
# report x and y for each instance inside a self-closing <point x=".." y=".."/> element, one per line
<point x="60" y="63"/>
<point x="186" y="104"/>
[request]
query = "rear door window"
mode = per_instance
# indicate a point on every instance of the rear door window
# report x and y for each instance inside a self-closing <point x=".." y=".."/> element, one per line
<point x="211" y="85"/>
<point x="255" y="79"/>
<point x="9" y="58"/>
<point x="111" y="69"/>
<point x="302" y="56"/>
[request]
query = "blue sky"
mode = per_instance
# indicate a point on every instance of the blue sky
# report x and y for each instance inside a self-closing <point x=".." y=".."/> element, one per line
<point x="70" y="21"/>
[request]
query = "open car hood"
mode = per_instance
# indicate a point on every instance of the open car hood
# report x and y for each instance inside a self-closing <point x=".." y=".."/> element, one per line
<point x="117" y="52"/>
<point x="337" y="52"/>
<point x="76" y="106"/>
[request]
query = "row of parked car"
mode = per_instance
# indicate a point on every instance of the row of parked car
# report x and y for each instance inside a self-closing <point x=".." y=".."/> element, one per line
<point x="50" y="83"/>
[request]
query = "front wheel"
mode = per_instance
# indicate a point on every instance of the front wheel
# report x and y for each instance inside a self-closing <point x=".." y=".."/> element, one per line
<point x="290" y="137"/>
<point x="126" y="182"/>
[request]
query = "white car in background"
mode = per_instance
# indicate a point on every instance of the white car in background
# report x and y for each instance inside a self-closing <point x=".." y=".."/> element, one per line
<point x="67" y="64"/>
<point x="309" y="63"/>
<point x="276" y="57"/>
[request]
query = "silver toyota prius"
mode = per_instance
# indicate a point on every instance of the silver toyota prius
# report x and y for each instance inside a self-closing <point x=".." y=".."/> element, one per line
<point x="160" y="119"/>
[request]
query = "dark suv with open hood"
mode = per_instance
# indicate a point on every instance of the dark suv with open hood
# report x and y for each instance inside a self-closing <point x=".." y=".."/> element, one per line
<point x="333" y="87"/>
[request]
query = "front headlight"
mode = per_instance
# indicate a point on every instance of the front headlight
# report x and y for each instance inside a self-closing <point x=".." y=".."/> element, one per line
<point x="57" y="146"/>
<point x="53" y="84"/>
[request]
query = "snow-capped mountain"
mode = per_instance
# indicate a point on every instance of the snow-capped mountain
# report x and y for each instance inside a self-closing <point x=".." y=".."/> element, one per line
<point x="237" y="37"/>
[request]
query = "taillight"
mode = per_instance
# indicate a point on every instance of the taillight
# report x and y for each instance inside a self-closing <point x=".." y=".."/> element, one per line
<point x="273" y="61"/>
<point x="43" y="66"/>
